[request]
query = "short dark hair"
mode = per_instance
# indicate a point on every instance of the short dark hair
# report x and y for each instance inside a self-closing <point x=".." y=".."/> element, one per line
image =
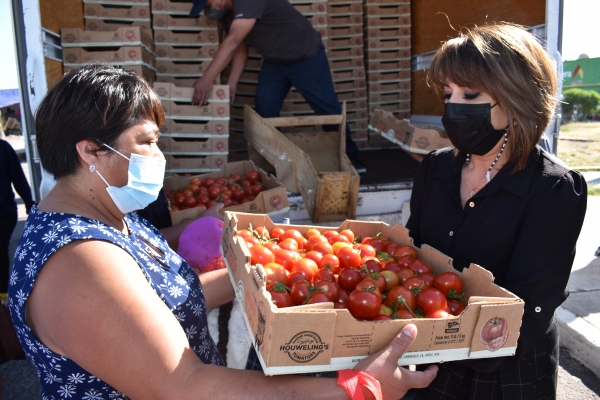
<point x="509" y="64"/>
<point x="93" y="102"/>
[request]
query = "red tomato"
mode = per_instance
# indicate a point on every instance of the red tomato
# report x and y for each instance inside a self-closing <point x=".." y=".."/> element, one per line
<point x="338" y="238"/>
<point x="402" y="314"/>
<point x="286" y="258"/>
<point x="370" y="286"/>
<point x="280" y="297"/>
<point x="317" y="297"/>
<point x="289" y="244"/>
<point x="364" y="304"/>
<point x="312" y="232"/>
<point x="179" y="198"/>
<point x="431" y="299"/>
<point x="349" y="258"/>
<point x="196" y="181"/>
<point x="277" y="233"/>
<point x="437" y="314"/>
<point x="256" y="189"/>
<point x="300" y="292"/>
<point x="329" y="234"/>
<point x="456" y="306"/>
<point x="253" y="176"/>
<point x="349" y="234"/>
<point x="428" y="279"/>
<point x="189" y="201"/>
<point x="366" y="250"/>
<point x="381" y="317"/>
<point x="314" y="239"/>
<point x="377" y="244"/>
<point x="450" y="284"/>
<point x="314" y="255"/>
<point x="238" y="194"/>
<point x="415" y="282"/>
<point x="338" y="305"/>
<point x="275" y="273"/>
<point x="208" y="182"/>
<point x="371" y="263"/>
<point x="175" y="208"/>
<point x="400" y="297"/>
<point x="294" y="234"/>
<point x="329" y="261"/>
<point x="324" y="275"/>
<point x="391" y="279"/>
<point x="203" y="199"/>
<point x="329" y="289"/>
<point x="420" y="267"/>
<point x="343" y="296"/>
<point x="261" y="255"/>
<point x="391" y="266"/>
<point x="405" y="261"/>
<point x="390" y="247"/>
<point x="296" y="277"/>
<point x="379" y="281"/>
<point x="404" y="274"/>
<point x="307" y="266"/>
<point x="349" y="278"/>
<point x="271" y="246"/>
<point x="405" y="251"/>
<point x="262" y="231"/>
<point x="214" y="192"/>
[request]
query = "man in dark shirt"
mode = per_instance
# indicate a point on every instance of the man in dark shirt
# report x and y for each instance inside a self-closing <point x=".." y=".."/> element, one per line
<point x="293" y="56"/>
<point x="10" y="173"/>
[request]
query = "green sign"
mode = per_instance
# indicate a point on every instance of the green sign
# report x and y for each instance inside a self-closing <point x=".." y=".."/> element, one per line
<point x="583" y="74"/>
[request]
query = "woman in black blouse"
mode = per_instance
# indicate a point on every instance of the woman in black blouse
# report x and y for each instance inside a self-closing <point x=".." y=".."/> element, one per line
<point x="498" y="200"/>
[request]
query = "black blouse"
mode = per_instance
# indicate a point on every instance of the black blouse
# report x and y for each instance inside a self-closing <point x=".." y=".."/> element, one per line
<point x="521" y="226"/>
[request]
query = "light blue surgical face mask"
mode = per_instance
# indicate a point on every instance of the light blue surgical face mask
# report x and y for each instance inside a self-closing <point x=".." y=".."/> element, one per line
<point x="144" y="181"/>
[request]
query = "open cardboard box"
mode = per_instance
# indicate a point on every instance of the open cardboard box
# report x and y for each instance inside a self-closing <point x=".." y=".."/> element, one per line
<point x="411" y="138"/>
<point x="273" y="200"/>
<point x="318" y="337"/>
<point x="125" y="36"/>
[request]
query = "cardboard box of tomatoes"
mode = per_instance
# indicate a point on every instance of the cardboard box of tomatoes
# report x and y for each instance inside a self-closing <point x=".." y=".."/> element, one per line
<point x="319" y="337"/>
<point x="272" y="200"/>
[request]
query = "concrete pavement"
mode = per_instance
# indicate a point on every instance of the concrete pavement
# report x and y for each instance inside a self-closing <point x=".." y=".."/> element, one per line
<point x="579" y="316"/>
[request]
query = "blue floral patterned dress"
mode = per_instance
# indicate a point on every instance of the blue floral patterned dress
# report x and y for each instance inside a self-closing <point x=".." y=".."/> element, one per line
<point x="173" y="280"/>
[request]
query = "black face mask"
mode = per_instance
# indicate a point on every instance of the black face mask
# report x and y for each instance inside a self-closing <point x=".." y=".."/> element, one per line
<point x="469" y="127"/>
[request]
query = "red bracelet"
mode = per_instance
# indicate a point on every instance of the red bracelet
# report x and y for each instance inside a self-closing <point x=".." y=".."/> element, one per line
<point x="350" y="380"/>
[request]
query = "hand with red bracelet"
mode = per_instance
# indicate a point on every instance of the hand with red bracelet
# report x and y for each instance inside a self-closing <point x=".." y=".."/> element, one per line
<point x="383" y="366"/>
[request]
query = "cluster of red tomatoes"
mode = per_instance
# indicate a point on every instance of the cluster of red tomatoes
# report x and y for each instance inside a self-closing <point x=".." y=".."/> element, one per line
<point x="203" y="193"/>
<point x="374" y="278"/>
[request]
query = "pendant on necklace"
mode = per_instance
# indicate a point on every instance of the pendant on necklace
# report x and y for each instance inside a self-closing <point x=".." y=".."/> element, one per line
<point x="471" y="193"/>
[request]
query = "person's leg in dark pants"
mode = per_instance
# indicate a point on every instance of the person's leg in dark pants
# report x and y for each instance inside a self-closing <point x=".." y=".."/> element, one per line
<point x="312" y="78"/>
<point x="7" y="226"/>
<point x="272" y="88"/>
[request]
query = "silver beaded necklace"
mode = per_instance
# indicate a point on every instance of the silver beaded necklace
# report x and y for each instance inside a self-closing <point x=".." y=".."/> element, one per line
<point x="488" y="174"/>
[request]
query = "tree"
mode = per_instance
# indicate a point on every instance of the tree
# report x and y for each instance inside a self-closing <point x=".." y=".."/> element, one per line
<point x="586" y="101"/>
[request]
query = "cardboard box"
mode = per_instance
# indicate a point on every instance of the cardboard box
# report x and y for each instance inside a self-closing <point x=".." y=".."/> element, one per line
<point x="141" y="70"/>
<point x="345" y="20"/>
<point x="340" y="64"/>
<point x="195" y="128"/>
<point x="126" y="13"/>
<point x="210" y="111"/>
<point x="384" y="2"/>
<point x="126" y="55"/>
<point x="203" y="53"/>
<point x="344" y="31"/>
<point x="318" y="337"/>
<point x="312" y="164"/>
<point x="108" y="25"/>
<point x="391" y="106"/>
<point x="384" y="54"/>
<point x="194" y="163"/>
<point x="171" y="7"/>
<point x="126" y="36"/>
<point x="388" y="32"/>
<point x="388" y="65"/>
<point x="350" y="84"/>
<point x="388" y="43"/>
<point x="317" y="7"/>
<point x="183" y="23"/>
<point x="342" y="75"/>
<point x="196" y="39"/>
<point x="168" y="91"/>
<point x="119" y="2"/>
<point x="345" y="42"/>
<point x="180" y="81"/>
<point x="387" y="9"/>
<point x="376" y="21"/>
<point x="352" y="95"/>
<point x="390" y="75"/>
<point x="273" y="200"/>
<point x="317" y="20"/>
<point x="409" y="137"/>
<point x="343" y="53"/>
<point x="344" y="8"/>
<point x="181" y="68"/>
<point x="198" y="146"/>
<point x="400" y="95"/>
<point x="387" y="86"/>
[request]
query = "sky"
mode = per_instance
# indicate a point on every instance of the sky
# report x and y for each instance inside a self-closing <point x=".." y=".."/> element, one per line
<point x="579" y="36"/>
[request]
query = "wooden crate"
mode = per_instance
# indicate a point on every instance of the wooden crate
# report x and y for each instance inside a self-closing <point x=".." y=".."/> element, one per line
<point x="314" y="164"/>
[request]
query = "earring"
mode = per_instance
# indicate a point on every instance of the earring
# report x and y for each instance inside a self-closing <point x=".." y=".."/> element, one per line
<point x="92" y="168"/>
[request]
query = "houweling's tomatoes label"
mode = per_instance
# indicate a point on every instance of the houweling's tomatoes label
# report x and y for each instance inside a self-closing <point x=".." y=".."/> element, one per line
<point x="304" y="347"/>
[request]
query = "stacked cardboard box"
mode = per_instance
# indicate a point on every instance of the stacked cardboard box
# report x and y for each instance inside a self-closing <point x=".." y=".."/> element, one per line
<point x="108" y="16"/>
<point x="127" y="47"/>
<point x="387" y="58"/>
<point x="193" y="138"/>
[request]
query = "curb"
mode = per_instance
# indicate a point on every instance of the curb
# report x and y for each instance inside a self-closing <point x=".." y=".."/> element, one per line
<point x="581" y="338"/>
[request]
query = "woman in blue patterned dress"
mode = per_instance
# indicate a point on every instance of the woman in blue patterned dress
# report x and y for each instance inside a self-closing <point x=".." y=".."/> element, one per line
<point x="102" y="306"/>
